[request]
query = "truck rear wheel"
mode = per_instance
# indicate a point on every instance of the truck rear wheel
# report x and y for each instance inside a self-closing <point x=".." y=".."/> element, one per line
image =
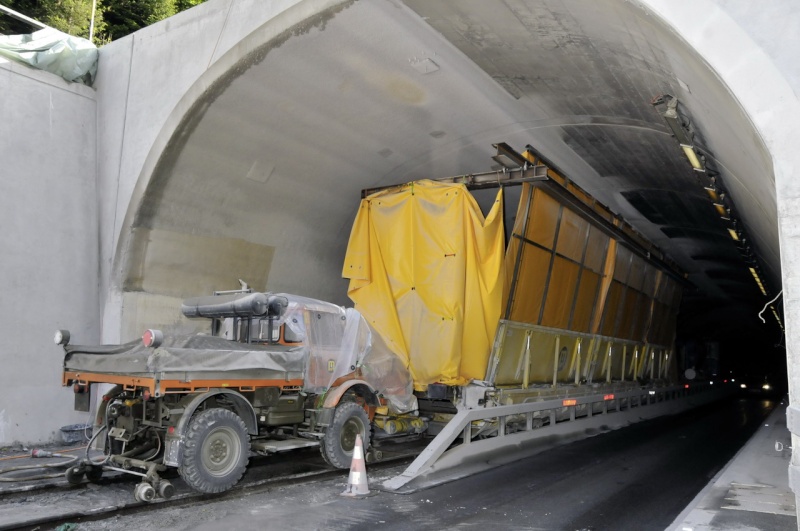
<point x="216" y="452"/>
<point x="349" y="420"/>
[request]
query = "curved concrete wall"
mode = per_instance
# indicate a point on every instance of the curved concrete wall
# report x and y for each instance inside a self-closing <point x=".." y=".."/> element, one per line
<point x="750" y="46"/>
<point x="146" y="86"/>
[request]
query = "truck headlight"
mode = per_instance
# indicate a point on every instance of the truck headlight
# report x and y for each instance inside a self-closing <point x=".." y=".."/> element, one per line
<point x="61" y="337"/>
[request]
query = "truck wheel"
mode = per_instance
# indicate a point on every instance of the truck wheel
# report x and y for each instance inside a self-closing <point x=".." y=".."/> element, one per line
<point x="94" y="473"/>
<point x="74" y="475"/>
<point x="349" y="420"/>
<point x="216" y="452"/>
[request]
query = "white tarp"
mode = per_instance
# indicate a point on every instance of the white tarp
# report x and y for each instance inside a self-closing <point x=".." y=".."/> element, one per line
<point x="73" y="58"/>
<point x="340" y="342"/>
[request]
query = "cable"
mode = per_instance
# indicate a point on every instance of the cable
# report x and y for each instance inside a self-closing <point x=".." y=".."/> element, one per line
<point x="63" y="464"/>
<point x="157" y="449"/>
<point x="22" y="456"/>
<point x="89" y="446"/>
<point x="767" y="304"/>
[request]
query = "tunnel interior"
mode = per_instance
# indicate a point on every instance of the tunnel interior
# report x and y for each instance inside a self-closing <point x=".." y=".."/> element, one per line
<point x="261" y="180"/>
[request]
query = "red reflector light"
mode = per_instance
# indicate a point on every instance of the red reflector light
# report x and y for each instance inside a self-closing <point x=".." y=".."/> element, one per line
<point x="724" y="381"/>
<point x="686" y="386"/>
<point x="152" y="338"/>
<point x="570" y="402"/>
<point x="608" y="397"/>
<point x="171" y="430"/>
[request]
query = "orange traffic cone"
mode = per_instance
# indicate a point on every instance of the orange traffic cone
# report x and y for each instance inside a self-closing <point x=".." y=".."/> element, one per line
<point x="357" y="484"/>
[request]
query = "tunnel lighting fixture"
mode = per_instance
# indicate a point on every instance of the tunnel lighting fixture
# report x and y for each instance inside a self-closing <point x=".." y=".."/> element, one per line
<point x="723" y="211"/>
<point x="681" y="129"/>
<point x="777" y="317"/>
<point x="507" y="157"/>
<point x="694" y="160"/>
<point x="757" y="278"/>
<point x="674" y="123"/>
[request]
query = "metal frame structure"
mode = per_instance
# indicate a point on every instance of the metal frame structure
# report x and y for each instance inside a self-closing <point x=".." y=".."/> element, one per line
<point x="443" y="460"/>
<point x="616" y="354"/>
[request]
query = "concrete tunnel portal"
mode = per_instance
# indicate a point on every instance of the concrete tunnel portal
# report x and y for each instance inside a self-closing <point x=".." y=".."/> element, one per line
<point x="233" y="141"/>
<point x="263" y="163"/>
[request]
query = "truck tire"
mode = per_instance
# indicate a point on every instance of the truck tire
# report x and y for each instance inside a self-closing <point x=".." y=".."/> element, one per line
<point x="349" y="420"/>
<point x="216" y="452"/>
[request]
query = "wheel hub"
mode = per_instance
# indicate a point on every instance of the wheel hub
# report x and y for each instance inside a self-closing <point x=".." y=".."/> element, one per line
<point x="349" y="432"/>
<point x="218" y="451"/>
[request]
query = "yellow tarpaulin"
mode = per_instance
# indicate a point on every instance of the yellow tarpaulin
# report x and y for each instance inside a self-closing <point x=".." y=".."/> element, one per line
<point x="426" y="270"/>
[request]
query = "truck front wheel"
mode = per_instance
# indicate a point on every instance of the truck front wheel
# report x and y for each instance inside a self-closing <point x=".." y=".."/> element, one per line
<point x="216" y="452"/>
<point x="349" y="420"/>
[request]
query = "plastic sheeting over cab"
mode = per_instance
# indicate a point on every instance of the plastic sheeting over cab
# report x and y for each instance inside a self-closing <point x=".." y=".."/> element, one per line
<point x="333" y="345"/>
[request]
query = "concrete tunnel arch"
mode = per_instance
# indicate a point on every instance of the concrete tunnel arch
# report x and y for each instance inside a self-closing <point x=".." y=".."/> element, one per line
<point x="130" y="248"/>
<point x="162" y="242"/>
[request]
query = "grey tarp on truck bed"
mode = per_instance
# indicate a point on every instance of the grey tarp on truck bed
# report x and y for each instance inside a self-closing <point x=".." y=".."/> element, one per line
<point x="194" y="354"/>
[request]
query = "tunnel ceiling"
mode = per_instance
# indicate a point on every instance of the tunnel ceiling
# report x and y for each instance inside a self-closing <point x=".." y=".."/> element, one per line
<point x="269" y="166"/>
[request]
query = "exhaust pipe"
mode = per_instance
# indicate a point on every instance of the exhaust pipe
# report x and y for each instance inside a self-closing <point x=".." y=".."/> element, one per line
<point x="235" y="305"/>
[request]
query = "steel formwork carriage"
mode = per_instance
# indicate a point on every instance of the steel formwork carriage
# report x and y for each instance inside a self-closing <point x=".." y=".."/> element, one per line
<point x="582" y="304"/>
<point x="583" y="297"/>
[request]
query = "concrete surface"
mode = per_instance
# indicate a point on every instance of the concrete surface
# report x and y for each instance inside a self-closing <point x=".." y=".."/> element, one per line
<point x="638" y="478"/>
<point x="48" y="245"/>
<point x="146" y="85"/>
<point x="752" y="491"/>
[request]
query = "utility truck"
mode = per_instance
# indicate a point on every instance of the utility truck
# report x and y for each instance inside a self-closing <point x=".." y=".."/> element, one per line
<point x="276" y="373"/>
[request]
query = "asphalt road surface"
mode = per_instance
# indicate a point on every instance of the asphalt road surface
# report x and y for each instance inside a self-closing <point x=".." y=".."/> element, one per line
<point x="637" y="478"/>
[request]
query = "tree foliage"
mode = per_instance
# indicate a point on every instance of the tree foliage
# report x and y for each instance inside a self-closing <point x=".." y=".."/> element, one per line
<point x="113" y="19"/>
<point x="72" y="16"/>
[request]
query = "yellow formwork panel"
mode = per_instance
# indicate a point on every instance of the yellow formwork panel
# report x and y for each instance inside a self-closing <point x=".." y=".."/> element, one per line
<point x="534" y="356"/>
<point x="525" y="355"/>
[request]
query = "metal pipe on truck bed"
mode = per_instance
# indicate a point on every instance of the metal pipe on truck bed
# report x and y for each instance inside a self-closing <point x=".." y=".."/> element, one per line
<point x="236" y="305"/>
